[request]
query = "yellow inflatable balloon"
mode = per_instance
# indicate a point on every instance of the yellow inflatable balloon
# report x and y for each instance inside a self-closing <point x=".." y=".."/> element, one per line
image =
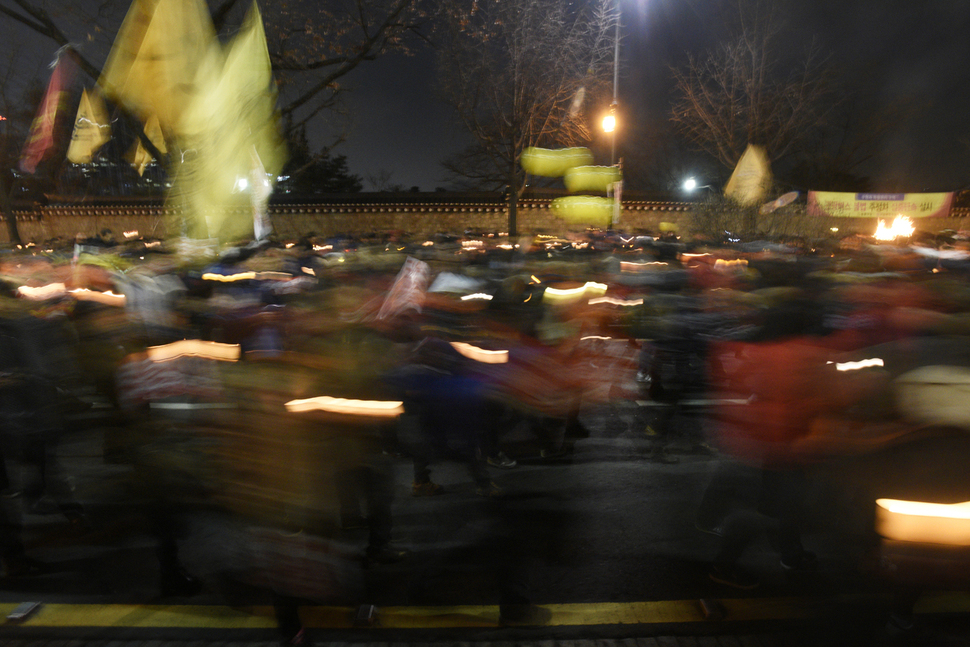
<point x="583" y="208"/>
<point x="591" y="178"/>
<point x="554" y="162"/>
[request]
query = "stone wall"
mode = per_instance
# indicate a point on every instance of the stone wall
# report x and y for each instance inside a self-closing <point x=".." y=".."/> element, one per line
<point x="42" y="223"/>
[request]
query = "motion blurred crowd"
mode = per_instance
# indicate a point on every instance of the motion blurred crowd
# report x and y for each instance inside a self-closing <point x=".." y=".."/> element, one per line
<point x="796" y="351"/>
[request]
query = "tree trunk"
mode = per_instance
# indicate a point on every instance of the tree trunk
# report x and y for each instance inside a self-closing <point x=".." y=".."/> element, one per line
<point x="12" y="232"/>
<point x="513" y="202"/>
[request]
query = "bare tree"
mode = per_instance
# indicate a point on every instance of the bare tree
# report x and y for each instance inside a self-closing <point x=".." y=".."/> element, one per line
<point x="313" y="43"/>
<point x="380" y="180"/>
<point x="846" y="141"/>
<point x="748" y="91"/>
<point x="522" y="73"/>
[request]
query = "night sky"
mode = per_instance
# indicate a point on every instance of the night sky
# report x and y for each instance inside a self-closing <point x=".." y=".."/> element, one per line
<point x="918" y="50"/>
<point x="914" y="49"/>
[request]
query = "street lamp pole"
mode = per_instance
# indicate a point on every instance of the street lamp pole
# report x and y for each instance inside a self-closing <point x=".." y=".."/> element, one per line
<point x="616" y="80"/>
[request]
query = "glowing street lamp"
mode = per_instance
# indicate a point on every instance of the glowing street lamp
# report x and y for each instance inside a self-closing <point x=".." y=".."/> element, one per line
<point x="690" y="184"/>
<point x="609" y="126"/>
<point x="609" y="123"/>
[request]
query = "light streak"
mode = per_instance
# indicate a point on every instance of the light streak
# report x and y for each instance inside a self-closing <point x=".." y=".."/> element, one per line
<point x="616" y="302"/>
<point x="855" y="366"/>
<point x="480" y="354"/>
<point x="371" y="408"/>
<point x="919" y="521"/>
<point x="107" y="297"/>
<point x="247" y="276"/>
<point x="194" y="348"/>
<point x="49" y="291"/>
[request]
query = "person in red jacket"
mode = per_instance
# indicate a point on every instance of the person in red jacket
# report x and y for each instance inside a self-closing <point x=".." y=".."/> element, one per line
<point x="788" y="377"/>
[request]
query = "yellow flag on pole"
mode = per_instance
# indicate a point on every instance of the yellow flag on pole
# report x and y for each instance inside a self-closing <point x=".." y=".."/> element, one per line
<point x="154" y="63"/>
<point x="91" y="128"/>
<point x="139" y="157"/>
<point x="232" y="118"/>
<point x="751" y="180"/>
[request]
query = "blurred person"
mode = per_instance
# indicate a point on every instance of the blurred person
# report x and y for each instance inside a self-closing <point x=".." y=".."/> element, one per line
<point x="790" y="378"/>
<point x="40" y="352"/>
<point x="364" y="475"/>
<point x="453" y="415"/>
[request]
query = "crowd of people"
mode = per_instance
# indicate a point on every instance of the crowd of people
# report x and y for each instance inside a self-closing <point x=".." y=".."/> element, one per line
<point x="307" y="367"/>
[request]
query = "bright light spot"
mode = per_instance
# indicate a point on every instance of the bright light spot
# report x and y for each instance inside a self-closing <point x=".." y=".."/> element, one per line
<point x="375" y="408"/>
<point x="308" y="270"/>
<point x="609" y="123"/>
<point x="322" y="248"/>
<point x="855" y="366"/>
<point x="480" y="354"/>
<point x="241" y="184"/>
<point x="834" y="229"/>
<point x="427" y="243"/>
<point x="937" y="523"/>
<point x="535" y="279"/>
<point x="474" y="244"/>
<point x="723" y="265"/>
<point x="44" y="292"/>
<point x="600" y="337"/>
<point x="242" y="276"/>
<point x="920" y="508"/>
<point x="289" y="245"/>
<point x="194" y="348"/>
<point x="477" y="295"/>
<point x="902" y="227"/>
<point x="561" y="296"/>
<point x="690" y="184"/>
<point x="131" y="234"/>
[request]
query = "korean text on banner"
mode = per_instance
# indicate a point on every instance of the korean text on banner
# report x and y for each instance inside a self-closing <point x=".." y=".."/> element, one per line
<point x="879" y="205"/>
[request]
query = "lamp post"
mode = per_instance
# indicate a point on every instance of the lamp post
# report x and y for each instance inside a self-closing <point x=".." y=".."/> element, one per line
<point x="609" y="121"/>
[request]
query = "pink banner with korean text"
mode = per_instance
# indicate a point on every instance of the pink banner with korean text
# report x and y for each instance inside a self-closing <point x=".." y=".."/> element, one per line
<point x="879" y="205"/>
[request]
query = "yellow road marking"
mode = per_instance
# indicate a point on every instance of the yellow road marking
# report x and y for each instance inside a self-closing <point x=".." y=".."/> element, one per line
<point x="436" y="617"/>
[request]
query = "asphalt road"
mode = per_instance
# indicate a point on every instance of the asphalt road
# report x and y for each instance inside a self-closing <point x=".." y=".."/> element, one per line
<point x="605" y="526"/>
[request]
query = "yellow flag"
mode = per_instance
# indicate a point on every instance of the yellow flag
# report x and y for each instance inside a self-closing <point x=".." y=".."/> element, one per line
<point x="234" y="116"/>
<point x="139" y="155"/>
<point x="91" y="128"/>
<point x="751" y="180"/>
<point x="153" y="65"/>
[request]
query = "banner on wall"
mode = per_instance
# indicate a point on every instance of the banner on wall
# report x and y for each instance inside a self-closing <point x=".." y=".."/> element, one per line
<point x="879" y="205"/>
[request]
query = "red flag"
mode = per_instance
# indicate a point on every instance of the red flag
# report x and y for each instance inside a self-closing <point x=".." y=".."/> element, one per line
<point x="41" y="139"/>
